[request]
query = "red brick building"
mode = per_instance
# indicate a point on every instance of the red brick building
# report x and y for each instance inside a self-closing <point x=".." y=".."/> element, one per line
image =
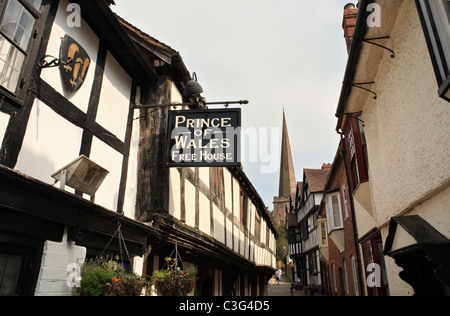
<point x="338" y="242"/>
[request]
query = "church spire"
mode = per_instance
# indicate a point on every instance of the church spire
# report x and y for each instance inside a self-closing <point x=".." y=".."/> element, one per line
<point x="287" y="174"/>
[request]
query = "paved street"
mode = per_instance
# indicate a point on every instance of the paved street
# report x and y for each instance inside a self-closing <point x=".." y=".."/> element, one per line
<point x="283" y="289"/>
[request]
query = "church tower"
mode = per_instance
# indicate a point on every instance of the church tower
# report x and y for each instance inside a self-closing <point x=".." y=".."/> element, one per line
<point x="288" y="184"/>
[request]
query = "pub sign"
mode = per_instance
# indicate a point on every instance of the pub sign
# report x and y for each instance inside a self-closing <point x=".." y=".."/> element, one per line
<point x="204" y="138"/>
<point x="76" y="63"/>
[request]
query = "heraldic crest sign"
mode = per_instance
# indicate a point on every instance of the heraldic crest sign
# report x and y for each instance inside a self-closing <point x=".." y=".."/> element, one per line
<point x="75" y="64"/>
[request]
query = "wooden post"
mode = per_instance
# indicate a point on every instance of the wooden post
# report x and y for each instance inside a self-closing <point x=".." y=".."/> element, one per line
<point x="153" y="176"/>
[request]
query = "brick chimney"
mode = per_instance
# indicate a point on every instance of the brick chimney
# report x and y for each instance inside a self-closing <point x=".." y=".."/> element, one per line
<point x="349" y="23"/>
<point x="327" y="166"/>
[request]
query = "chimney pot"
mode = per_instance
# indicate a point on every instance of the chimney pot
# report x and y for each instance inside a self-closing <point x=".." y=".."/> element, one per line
<point x="349" y="23"/>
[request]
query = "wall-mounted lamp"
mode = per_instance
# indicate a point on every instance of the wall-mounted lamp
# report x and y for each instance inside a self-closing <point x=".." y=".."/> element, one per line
<point x="193" y="88"/>
<point x="83" y="175"/>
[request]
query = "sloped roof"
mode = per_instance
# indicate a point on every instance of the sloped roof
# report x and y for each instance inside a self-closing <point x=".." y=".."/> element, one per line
<point x="147" y="39"/>
<point x="149" y="47"/>
<point x="292" y="220"/>
<point x="317" y="179"/>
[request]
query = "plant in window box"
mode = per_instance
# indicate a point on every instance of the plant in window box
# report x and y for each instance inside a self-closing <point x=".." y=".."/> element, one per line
<point x="173" y="281"/>
<point x="108" y="277"/>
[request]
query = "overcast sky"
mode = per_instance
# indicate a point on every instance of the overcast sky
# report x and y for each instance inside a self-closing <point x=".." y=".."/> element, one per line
<point x="277" y="54"/>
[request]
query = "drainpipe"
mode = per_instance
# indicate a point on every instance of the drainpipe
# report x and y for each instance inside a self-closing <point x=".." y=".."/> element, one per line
<point x="352" y="209"/>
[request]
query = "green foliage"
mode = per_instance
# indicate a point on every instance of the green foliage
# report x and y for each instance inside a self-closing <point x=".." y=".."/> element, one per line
<point x="282" y="242"/>
<point x="173" y="281"/>
<point x="93" y="281"/>
<point x="108" y="277"/>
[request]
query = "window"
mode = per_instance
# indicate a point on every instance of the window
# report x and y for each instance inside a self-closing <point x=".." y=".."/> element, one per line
<point x="373" y="254"/>
<point x="334" y="213"/>
<point x="344" y="264"/>
<point x="434" y="16"/>
<point x="304" y="229"/>
<point x="217" y="182"/>
<point x="10" y="267"/>
<point x="344" y="194"/>
<point x="16" y="30"/>
<point x="354" y="275"/>
<point x="323" y="233"/>
<point x="258" y="227"/>
<point x="356" y="147"/>
<point x="244" y="209"/>
<point x="312" y="263"/>
<point x="295" y="236"/>
<point x="333" y="270"/>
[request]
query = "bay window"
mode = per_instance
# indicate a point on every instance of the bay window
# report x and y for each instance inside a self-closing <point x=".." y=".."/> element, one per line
<point x="356" y="148"/>
<point x="435" y="17"/>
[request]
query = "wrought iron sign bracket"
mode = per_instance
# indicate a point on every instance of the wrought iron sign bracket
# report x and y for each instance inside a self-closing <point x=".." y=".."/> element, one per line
<point x="55" y="62"/>
<point x="351" y="115"/>
<point x="371" y="41"/>
<point x="358" y="85"/>
<point x="201" y="103"/>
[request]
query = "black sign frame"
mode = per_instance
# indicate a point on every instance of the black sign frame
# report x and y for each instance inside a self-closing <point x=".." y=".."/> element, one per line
<point x="204" y="138"/>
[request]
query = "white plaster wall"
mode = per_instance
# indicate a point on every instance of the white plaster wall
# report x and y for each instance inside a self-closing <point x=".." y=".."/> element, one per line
<point x="50" y="143"/>
<point x="229" y="231"/>
<point x="241" y="243"/>
<point x="53" y="275"/>
<point x="203" y="174"/>
<point x="175" y="95"/>
<point x="205" y="215"/>
<point x="364" y="221"/>
<point x="236" y="239"/>
<point x="407" y="128"/>
<point x="175" y="197"/>
<point x="236" y="199"/>
<point x="189" y="194"/>
<point x="88" y="40"/>
<point x="219" y="222"/>
<point x="129" y="207"/>
<point x="228" y="192"/>
<point x="114" y="100"/>
<point x="435" y="211"/>
<point x="105" y="156"/>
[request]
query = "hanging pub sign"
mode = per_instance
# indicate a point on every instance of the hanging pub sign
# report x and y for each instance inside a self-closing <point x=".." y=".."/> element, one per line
<point x="75" y="64"/>
<point x="204" y="138"/>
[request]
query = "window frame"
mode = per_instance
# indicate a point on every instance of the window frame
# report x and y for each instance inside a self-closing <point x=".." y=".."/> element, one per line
<point x="258" y="225"/>
<point x="331" y="216"/>
<point x="438" y="47"/>
<point x="217" y="181"/>
<point x="18" y="94"/>
<point x="354" y="275"/>
<point x="244" y="207"/>
<point x="356" y="150"/>
<point x="322" y="232"/>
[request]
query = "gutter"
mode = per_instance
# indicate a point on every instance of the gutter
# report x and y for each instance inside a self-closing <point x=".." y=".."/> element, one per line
<point x="361" y="29"/>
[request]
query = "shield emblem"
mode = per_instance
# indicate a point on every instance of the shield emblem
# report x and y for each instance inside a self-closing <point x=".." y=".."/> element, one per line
<point x="75" y="64"/>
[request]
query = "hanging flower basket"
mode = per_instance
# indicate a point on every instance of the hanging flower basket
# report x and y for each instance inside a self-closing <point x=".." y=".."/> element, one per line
<point x="127" y="287"/>
<point x="108" y="277"/>
<point x="173" y="281"/>
<point x="174" y="286"/>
